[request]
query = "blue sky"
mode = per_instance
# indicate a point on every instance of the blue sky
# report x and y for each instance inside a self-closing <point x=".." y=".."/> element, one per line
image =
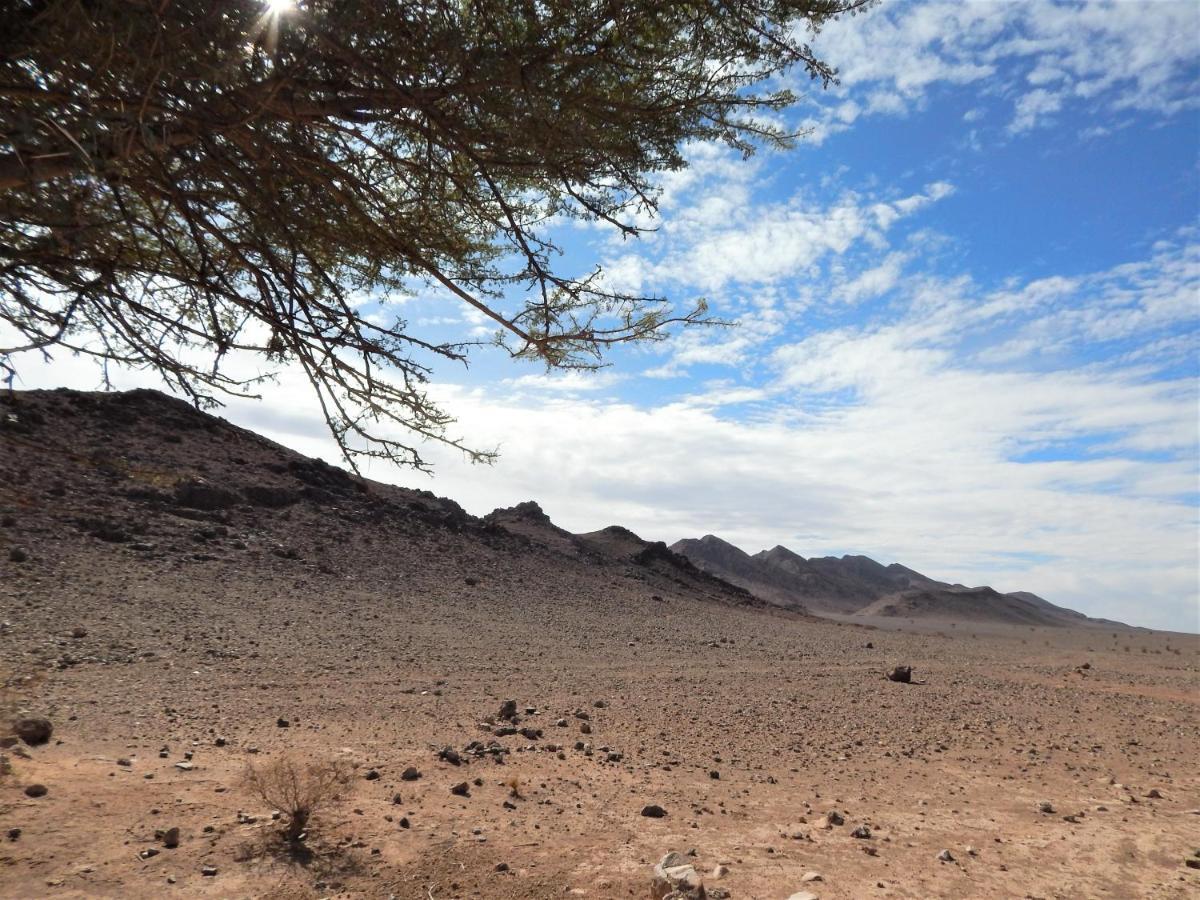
<point x="969" y="309"/>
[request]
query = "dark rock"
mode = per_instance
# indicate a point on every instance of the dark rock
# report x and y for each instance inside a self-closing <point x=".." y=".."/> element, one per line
<point x="17" y="554"/>
<point x="170" y="838"/>
<point x="508" y="710"/>
<point x="372" y="775"/>
<point x="208" y="871"/>
<point x="199" y="494"/>
<point x="410" y="774"/>
<point x="271" y="497"/>
<point x="33" y="731"/>
<point x="36" y="790"/>
<point x="902" y="674"/>
<point x="462" y="789"/>
<point x="450" y="755"/>
<point x="653" y="811"/>
<point x="862" y="831"/>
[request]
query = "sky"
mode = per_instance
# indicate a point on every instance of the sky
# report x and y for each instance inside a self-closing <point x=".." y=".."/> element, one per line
<point x="969" y="323"/>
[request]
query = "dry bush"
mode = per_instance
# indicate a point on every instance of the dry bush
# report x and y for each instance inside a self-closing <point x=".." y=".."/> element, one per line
<point x="297" y="788"/>
<point x="514" y="787"/>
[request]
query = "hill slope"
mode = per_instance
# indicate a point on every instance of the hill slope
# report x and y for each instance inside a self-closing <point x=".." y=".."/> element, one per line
<point x="860" y="586"/>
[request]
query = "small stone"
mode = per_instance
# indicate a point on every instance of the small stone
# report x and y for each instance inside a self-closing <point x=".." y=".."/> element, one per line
<point x="1192" y="863"/>
<point x="149" y="852"/>
<point x="810" y="877"/>
<point x="220" y="742"/>
<point x="14" y="833"/>
<point x="372" y="775"/>
<point x="170" y="838"/>
<point x="410" y="774"/>
<point x="653" y="811"/>
<point x="833" y="817"/>
<point x="1153" y="794"/>
<point x="450" y="755"/>
<point x="714" y="775"/>
<point x="462" y="789"/>
<point x="79" y="633"/>
<point x="508" y="710"/>
<point x="945" y="856"/>
<point x="502" y="867"/>
<point x="720" y="871"/>
<point x="862" y="831"/>
<point x="17" y="554"/>
<point x="124" y="762"/>
<point x="36" y="790"/>
<point x="208" y="871"/>
<point x="282" y="723"/>
<point x="902" y="674"/>
<point x="1046" y="806"/>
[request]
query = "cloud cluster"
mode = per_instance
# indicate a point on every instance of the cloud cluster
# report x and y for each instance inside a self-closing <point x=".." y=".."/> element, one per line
<point x="1036" y="59"/>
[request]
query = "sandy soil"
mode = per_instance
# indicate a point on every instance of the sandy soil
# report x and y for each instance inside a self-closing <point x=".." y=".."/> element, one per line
<point x="384" y="626"/>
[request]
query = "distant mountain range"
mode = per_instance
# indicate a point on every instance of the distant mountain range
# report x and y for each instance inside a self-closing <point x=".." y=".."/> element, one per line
<point x="861" y="587"/>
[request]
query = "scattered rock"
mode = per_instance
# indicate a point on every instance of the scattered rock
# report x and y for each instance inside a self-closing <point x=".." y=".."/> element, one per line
<point x="372" y="775"/>
<point x="902" y="674"/>
<point x="170" y="838"/>
<point x="653" y="811"/>
<point x="862" y="831"/>
<point x="208" y="871"/>
<point x="450" y="755"/>
<point x="18" y="554"/>
<point x="410" y="774"/>
<point x="36" y="790"/>
<point x="945" y="856"/>
<point x="462" y="789"/>
<point x="508" y="711"/>
<point x="1046" y="807"/>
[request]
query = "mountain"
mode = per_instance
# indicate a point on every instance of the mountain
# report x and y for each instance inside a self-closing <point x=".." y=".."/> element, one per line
<point x="860" y="586"/>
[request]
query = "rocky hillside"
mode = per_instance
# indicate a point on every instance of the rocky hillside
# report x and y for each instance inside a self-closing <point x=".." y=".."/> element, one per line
<point x="860" y="586"/>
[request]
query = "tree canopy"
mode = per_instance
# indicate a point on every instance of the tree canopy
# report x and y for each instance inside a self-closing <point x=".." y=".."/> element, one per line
<point x="184" y="180"/>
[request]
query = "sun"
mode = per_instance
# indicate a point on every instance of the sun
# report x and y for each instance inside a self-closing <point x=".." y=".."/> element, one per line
<point x="280" y="7"/>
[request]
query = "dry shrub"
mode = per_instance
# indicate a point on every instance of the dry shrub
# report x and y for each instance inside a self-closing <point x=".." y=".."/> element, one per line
<point x="297" y="788"/>
<point x="514" y="787"/>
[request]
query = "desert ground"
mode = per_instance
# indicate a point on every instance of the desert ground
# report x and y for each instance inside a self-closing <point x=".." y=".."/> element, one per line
<point x="183" y="600"/>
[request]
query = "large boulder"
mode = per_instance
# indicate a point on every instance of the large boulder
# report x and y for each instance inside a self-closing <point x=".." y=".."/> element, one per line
<point x="676" y="878"/>
<point x="33" y="730"/>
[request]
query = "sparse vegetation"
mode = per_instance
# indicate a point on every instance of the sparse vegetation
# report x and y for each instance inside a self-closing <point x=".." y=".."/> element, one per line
<point x="296" y="788"/>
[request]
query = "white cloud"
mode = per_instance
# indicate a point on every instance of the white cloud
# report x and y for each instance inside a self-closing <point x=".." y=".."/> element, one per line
<point x="1099" y="56"/>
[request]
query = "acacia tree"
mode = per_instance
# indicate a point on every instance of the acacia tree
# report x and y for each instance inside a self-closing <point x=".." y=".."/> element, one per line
<point x="182" y="179"/>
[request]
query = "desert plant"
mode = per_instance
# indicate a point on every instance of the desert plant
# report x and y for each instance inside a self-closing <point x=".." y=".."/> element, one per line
<point x="296" y="788"/>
